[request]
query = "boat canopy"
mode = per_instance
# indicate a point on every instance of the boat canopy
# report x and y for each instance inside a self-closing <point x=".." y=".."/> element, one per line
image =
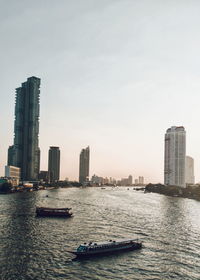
<point x="108" y="243"/>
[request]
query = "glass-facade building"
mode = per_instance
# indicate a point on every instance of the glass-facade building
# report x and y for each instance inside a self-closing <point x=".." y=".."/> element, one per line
<point x="54" y="164"/>
<point x="25" y="152"/>
<point x="84" y="163"/>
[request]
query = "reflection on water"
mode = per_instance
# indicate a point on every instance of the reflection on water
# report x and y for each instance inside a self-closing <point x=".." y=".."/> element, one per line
<point x="36" y="248"/>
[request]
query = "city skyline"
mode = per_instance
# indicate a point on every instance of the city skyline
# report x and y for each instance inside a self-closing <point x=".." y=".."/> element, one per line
<point x="113" y="76"/>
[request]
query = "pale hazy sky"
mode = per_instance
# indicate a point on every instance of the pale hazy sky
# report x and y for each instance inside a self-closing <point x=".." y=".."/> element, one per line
<point x="115" y="74"/>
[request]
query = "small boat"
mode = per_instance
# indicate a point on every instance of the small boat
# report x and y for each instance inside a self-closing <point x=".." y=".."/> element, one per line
<point x="53" y="212"/>
<point x="104" y="248"/>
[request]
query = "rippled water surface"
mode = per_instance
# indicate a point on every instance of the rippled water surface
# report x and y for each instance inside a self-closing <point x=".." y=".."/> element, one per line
<point x="36" y="248"/>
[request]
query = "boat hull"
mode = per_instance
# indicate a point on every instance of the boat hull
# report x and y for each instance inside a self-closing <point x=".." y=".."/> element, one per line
<point x="45" y="214"/>
<point x="53" y="212"/>
<point x="112" y="251"/>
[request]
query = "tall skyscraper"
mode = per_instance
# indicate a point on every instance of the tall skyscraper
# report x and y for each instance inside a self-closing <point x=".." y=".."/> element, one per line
<point x="175" y="153"/>
<point x="84" y="165"/>
<point x="189" y="171"/>
<point x="130" y="179"/>
<point x="54" y="164"/>
<point x="141" y="180"/>
<point x="25" y="152"/>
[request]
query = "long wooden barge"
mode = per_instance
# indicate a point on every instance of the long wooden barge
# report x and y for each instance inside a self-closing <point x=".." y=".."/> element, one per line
<point x="53" y="212"/>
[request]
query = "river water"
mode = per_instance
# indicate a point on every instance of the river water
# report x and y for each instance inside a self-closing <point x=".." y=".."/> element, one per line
<point x="36" y="248"/>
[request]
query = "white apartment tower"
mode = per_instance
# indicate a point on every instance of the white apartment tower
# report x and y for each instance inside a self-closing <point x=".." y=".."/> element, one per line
<point x="141" y="180"/>
<point x="175" y="155"/>
<point x="189" y="171"/>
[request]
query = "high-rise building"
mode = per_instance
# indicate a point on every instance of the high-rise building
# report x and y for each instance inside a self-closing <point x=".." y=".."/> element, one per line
<point x="136" y="182"/>
<point x="130" y="179"/>
<point x="175" y="153"/>
<point x="97" y="180"/>
<point x="11" y="154"/>
<point x="25" y="152"/>
<point x="84" y="165"/>
<point x="126" y="181"/>
<point x="54" y="164"/>
<point x="189" y="171"/>
<point x="44" y="176"/>
<point x="141" y="180"/>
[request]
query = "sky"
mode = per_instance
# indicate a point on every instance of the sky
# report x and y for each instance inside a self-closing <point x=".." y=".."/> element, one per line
<point x="115" y="74"/>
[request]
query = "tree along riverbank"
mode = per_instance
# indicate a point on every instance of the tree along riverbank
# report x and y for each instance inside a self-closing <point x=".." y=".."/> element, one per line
<point x="188" y="192"/>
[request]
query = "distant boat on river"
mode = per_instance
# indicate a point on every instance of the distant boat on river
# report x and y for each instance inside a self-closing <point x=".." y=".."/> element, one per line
<point x="104" y="248"/>
<point x="53" y="212"/>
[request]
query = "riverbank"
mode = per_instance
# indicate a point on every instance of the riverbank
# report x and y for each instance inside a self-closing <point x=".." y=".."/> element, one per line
<point x="7" y="188"/>
<point x="192" y="192"/>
